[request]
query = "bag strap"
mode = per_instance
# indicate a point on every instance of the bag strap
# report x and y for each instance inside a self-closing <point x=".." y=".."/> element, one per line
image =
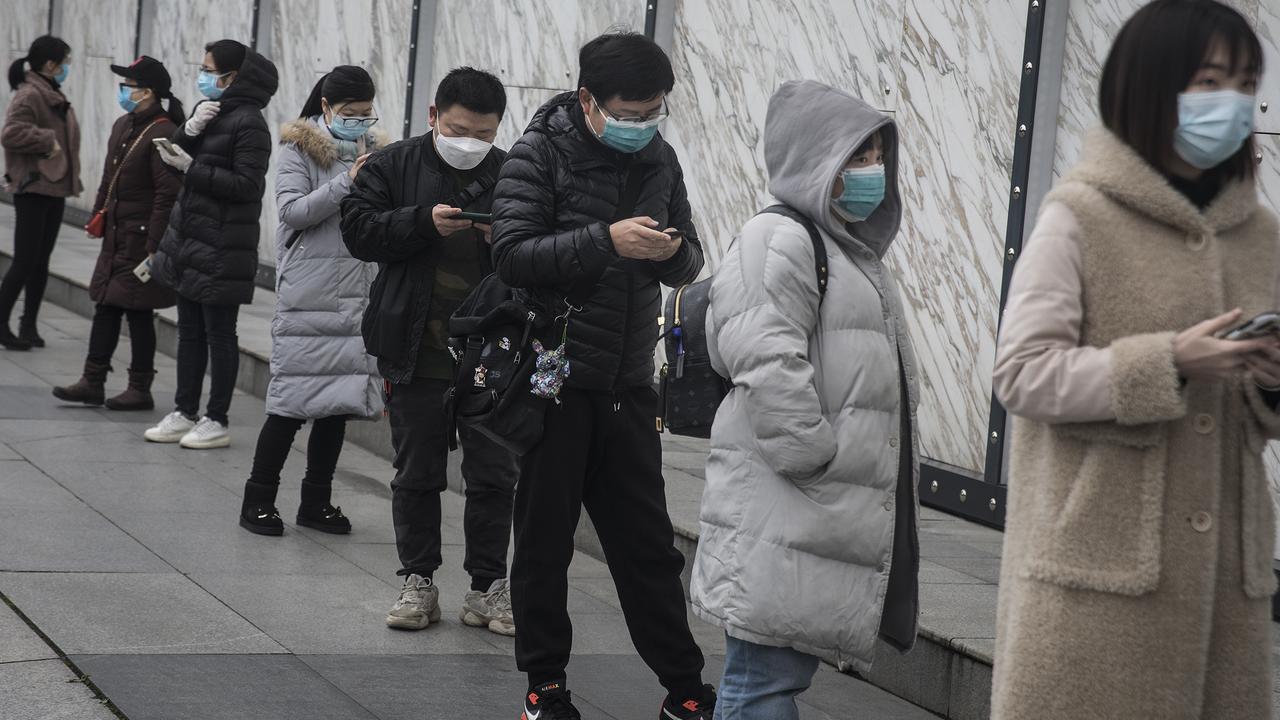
<point x="112" y="187"/>
<point x="581" y="290"/>
<point x="819" y="247"/>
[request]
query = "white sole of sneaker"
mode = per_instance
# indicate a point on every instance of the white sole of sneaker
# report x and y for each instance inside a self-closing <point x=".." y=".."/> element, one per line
<point x="499" y="627"/>
<point x="224" y="441"/>
<point x="158" y="438"/>
<point x="473" y="619"/>
<point x="418" y="623"/>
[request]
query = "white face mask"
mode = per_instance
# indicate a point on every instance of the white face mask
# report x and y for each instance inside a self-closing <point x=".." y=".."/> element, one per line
<point x="463" y="153"/>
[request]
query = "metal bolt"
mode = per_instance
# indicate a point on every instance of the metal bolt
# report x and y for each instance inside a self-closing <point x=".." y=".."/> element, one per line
<point x="1035" y="5"/>
<point x="1265" y="106"/>
<point x="887" y="90"/>
<point x="1011" y="253"/>
<point x="963" y="496"/>
<point x="1258" y="157"/>
<point x="995" y="437"/>
<point x="1026" y="69"/>
<point x="993" y="504"/>
<point x="933" y="486"/>
<point x="1022" y="130"/>
<point x="1017" y="192"/>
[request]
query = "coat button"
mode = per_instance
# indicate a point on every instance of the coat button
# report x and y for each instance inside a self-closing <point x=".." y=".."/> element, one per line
<point x="1197" y="243"/>
<point x="893" y="442"/>
<point x="1204" y="424"/>
<point x="1201" y="522"/>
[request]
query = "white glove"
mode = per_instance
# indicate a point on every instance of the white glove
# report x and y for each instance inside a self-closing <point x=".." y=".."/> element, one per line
<point x="200" y="118"/>
<point x="174" y="156"/>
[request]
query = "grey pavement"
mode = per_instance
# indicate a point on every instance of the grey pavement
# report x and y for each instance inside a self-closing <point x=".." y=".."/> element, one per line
<point x="127" y="556"/>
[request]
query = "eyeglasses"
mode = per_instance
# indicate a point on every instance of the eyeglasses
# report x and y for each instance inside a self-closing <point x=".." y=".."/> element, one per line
<point x="659" y="116"/>
<point x="354" y="122"/>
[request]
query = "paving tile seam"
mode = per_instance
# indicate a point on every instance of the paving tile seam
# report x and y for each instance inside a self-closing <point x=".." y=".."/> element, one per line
<point x="81" y="676"/>
<point x="30" y="660"/>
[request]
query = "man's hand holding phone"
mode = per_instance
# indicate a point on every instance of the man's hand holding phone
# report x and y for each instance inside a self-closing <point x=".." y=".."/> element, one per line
<point x="637" y="239"/>
<point x="446" y="220"/>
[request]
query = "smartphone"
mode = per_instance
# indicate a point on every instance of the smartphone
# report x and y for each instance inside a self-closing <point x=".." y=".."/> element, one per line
<point x="1267" y="323"/>
<point x="486" y="218"/>
<point x="163" y="143"/>
<point x="143" y="271"/>
<point x="675" y="234"/>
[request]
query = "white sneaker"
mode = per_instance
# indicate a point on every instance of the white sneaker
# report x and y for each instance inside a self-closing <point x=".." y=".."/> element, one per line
<point x="206" y="435"/>
<point x="171" y="429"/>
<point x="418" y="605"/>
<point x="491" y="609"/>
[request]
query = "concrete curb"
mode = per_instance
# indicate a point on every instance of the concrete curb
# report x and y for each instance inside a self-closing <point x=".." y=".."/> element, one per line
<point x="942" y="675"/>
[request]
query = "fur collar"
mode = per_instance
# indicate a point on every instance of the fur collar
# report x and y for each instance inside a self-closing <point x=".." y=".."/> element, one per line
<point x="1113" y="167"/>
<point x="314" y="140"/>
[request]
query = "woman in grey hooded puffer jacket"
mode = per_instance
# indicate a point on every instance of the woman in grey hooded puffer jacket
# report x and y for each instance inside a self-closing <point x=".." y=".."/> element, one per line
<point x="319" y="368"/>
<point x="808" y="545"/>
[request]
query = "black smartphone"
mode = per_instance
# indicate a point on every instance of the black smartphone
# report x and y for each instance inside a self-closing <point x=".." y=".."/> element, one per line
<point x="1267" y="323"/>
<point x="486" y="218"/>
<point x="674" y="234"/>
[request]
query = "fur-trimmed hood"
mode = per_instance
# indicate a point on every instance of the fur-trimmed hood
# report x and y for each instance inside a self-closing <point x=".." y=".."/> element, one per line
<point x="314" y="140"/>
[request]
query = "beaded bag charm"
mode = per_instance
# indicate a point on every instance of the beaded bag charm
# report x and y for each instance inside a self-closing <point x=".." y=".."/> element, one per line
<point x="550" y="370"/>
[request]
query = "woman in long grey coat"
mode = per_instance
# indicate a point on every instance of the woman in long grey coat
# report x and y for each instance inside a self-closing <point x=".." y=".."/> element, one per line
<point x="808" y="544"/>
<point x="1137" y="579"/>
<point x="319" y="369"/>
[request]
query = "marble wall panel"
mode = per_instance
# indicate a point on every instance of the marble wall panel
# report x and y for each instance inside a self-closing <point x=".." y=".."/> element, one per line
<point x="1268" y="28"/>
<point x="1091" y="28"/>
<point x="522" y="103"/>
<point x="97" y="39"/>
<point x="26" y="21"/>
<point x="526" y="43"/>
<point x="181" y="29"/>
<point x="729" y="57"/>
<point x="310" y="37"/>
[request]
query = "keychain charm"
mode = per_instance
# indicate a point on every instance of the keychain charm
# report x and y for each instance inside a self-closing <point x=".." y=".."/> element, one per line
<point x="551" y="369"/>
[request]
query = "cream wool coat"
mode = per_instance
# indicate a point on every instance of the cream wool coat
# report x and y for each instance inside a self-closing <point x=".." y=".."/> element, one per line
<point x="1137" y="565"/>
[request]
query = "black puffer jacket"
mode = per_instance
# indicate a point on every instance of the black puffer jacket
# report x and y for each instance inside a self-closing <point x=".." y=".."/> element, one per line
<point x="209" y="253"/>
<point x="552" y="208"/>
<point x="386" y="218"/>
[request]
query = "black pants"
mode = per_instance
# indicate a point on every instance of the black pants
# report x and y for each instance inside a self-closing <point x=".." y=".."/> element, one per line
<point x="206" y="338"/>
<point x="274" y="440"/>
<point x="419" y="434"/>
<point x="35" y="230"/>
<point x="105" y="335"/>
<point x="610" y="462"/>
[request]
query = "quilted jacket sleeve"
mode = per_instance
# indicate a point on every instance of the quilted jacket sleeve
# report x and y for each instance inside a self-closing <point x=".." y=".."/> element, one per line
<point x="527" y="250"/>
<point x="300" y="205"/>
<point x="375" y="228"/>
<point x="764" y="314"/>
<point x="246" y="179"/>
<point x="684" y="266"/>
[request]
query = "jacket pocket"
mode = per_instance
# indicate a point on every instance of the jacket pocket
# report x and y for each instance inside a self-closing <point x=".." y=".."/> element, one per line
<point x="308" y="284"/>
<point x="1096" y="510"/>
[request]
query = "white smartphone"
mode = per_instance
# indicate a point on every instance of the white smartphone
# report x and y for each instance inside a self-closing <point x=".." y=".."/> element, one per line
<point x="143" y="271"/>
<point x="1267" y="323"/>
<point x="163" y="144"/>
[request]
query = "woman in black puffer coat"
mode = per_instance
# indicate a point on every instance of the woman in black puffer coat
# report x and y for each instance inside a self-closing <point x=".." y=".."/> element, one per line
<point x="209" y="254"/>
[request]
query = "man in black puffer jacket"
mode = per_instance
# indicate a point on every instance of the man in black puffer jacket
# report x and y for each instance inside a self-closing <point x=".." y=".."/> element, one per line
<point x="209" y="253"/>
<point x="566" y="225"/>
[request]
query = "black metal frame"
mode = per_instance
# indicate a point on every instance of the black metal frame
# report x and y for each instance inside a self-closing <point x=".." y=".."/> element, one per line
<point x="253" y="32"/>
<point x="651" y="18"/>
<point x="50" y="23"/>
<point x="954" y="491"/>
<point x="413" y="68"/>
<point x="137" y="29"/>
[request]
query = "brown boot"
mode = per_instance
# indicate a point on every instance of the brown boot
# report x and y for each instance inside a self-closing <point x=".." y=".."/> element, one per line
<point x="89" y="388"/>
<point x="138" y="395"/>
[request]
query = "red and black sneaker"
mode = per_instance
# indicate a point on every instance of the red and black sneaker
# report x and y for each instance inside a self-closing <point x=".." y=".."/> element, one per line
<point x="550" y="701"/>
<point x="699" y="708"/>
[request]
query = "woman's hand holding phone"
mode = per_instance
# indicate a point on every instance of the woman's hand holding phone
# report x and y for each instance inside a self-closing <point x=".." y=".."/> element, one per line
<point x="1199" y="353"/>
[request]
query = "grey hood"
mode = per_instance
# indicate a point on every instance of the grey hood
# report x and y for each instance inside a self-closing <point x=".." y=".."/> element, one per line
<point x="811" y="131"/>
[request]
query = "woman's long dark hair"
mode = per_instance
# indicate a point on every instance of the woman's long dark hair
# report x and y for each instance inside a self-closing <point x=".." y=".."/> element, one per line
<point x="1153" y="59"/>
<point x="343" y="84"/>
<point x="44" y="49"/>
<point x="175" y="113"/>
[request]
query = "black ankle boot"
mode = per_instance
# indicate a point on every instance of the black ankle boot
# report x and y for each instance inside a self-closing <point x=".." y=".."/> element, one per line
<point x="261" y="520"/>
<point x="10" y="341"/>
<point x="27" y="332"/>
<point x="325" y="518"/>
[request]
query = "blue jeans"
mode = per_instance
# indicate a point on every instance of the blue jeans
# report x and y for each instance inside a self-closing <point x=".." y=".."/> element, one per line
<point x="762" y="682"/>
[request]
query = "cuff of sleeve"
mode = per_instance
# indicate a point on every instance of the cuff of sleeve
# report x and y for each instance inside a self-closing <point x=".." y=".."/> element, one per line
<point x="1145" y="387"/>
<point x="600" y="251"/>
<point x="425" y="224"/>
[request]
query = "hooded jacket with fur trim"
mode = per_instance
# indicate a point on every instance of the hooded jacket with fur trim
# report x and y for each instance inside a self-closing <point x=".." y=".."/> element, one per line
<point x="1136" y="579"/>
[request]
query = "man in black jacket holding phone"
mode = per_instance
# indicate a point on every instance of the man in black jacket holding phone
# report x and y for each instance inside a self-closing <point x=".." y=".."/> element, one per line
<point x="402" y="213"/>
<point x="591" y="206"/>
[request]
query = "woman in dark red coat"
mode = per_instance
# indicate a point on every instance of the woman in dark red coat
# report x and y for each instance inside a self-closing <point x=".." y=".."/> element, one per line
<point x="137" y="209"/>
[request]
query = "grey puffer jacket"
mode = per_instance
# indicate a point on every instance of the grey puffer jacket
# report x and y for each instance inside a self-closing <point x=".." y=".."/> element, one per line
<point x="807" y="465"/>
<point x="319" y="367"/>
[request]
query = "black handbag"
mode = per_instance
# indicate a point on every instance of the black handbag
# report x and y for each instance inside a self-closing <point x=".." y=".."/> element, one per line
<point x="689" y="389"/>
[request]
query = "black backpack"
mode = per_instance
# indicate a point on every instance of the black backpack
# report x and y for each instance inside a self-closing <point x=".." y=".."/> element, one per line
<point x="690" y="390"/>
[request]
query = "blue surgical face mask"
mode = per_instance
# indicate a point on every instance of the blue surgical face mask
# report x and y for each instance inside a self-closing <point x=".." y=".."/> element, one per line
<point x="63" y="71"/>
<point x="124" y="96"/>
<point x="350" y="128"/>
<point x="627" y="137"/>
<point x="1212" y="126"/>
<point x="863" y="192"/>
<point x="207" y="83"/>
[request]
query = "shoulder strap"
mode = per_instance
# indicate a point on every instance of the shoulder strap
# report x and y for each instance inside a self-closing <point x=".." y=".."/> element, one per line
<point x="111" y="188"/>
<point x="819" y="247"/>
<point x="581" y="290"/>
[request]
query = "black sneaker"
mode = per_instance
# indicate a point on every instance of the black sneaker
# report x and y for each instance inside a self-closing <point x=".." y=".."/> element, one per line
<point x="699" y="708"/>
<point x="9" y="341"/>
<point x="261" y="520"/>
<point x="325" y="518"/>
<point x="549" y="702"/>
